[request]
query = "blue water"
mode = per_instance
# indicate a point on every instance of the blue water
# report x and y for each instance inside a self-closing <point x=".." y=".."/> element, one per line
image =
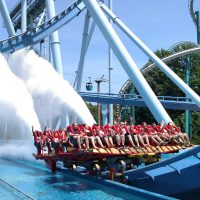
<point x="8" y="193"/>
<point x="35" y="180"/>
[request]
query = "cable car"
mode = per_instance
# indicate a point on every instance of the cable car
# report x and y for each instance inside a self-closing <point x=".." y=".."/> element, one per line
<point x="89" y="85"/>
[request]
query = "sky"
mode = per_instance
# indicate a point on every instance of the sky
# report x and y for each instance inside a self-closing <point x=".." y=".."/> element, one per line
<point x="159" y="24"/>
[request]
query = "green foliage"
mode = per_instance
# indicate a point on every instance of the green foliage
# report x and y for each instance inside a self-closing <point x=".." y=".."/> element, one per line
<point x="93" y="110"/>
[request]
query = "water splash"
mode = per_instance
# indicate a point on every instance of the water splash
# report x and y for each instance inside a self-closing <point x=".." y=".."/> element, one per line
<point x="53" y="97"/>
<point x="17" y="149"/>
<point x="17" y="111"/>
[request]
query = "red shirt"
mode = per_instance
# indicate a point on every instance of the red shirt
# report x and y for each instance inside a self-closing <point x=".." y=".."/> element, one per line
<point x="72" y="130"/>
<point x="170" y="129"/>
<point x="124" y="129"/>
<point x="150" y="130"/>
<point x="87" y="131"/>
<point x="101" y="132"/>
<point x="134" y="130"/>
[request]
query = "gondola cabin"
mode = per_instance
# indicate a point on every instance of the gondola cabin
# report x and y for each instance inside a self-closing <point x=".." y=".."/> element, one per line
<point x="89" y="85"/>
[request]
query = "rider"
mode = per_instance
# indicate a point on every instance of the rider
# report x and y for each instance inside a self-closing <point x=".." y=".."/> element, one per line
<point x="176" y="132"/>
<point x="89" y="134"/>
<point x="65" y="139"/>
<point x="100" y="135"/>
<point x="134" y="133"/>
<point x="38" y="141"/>
<point x="48" y="139"/>
<point x="119" y="136"/>
<point x="76" y="136"/>
<point x="126" y="133"/>
<point x="56" y="141"/>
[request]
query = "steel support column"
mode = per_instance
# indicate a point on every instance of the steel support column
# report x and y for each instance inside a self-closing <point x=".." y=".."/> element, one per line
<point x="23" y="15"/>
<point x="44" y="41"/>
<point x="133" y="121"/>
<point x="45" y="48"/>
<point x="104" y="114"/>
<point x="168" y="72"/>
<point x="110" y="67"/>
<point x="198" y="26"/>
<point x="127" y="62"/>
<point x="83" y="52"/>
<point x="188" y="125"/>
<point x="54" y="39"/>
<point x="98" y="106"/>
<point x="6" y="18"/>
<point x="89" y="37"/>
<point x="42" y="18"/>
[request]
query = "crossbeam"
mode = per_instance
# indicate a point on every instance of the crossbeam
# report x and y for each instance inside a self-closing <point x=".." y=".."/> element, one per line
<point x="168" y="102"/>
<point x="34" y="9"/>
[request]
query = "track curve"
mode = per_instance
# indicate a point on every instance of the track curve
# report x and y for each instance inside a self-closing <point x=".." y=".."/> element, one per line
<point x="35" y="35"/>
<point x="192" y="12"/>
<point x="166" y="59"/>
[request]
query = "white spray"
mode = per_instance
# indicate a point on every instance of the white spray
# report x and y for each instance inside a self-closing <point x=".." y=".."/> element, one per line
<point x="53" y="96"/>
<point x="17" y="113"/>
<point x="17" y="149"/>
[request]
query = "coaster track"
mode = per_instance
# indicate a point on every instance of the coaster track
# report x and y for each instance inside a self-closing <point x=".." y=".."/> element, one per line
<point x="35" y="35"/>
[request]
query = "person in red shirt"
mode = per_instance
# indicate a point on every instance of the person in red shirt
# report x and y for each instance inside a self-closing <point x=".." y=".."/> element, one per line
<point x="176" y="132"/>
<point x="184" y="137"/>
<point x="143" y="131"/>
<point x="134" y="133"/>
<point x="125" y="131"/>
<point x="65" y="139"/>
<point x="56" y="142"/>
<point x="153" y="136"/>
<point x="118" y="136"/>
<point x="97" y="134"/>
<point x="161" y="132"/>
<point x="100" y="136"/>
<point x="142" y="137"/>
<point x="110" y="134"/>
<point x="38" y="141"/>
<point x="89" y="133"/>
<point x="165" y="134"/>
<point x="76" y="137"/>
<point x="48" y="138"/>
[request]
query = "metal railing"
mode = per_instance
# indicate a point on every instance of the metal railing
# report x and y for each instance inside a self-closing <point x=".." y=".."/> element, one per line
<point x="133" y="96"/>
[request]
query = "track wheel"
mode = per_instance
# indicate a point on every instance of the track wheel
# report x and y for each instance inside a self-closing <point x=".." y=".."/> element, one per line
<point x="95" y="169"/>
<point x="130" y="166"/>
<point x="73" y="167"/>
<point x="120" y="166"/>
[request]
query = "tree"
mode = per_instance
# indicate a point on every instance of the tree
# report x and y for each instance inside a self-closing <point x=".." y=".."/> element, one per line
<point x="93" y="110"/>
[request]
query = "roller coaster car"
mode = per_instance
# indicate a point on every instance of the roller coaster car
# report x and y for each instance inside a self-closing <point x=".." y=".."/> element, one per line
<point x="100" y="159"/>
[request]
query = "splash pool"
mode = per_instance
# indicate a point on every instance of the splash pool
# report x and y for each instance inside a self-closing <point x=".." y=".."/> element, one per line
<point x="37" y="182"/>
